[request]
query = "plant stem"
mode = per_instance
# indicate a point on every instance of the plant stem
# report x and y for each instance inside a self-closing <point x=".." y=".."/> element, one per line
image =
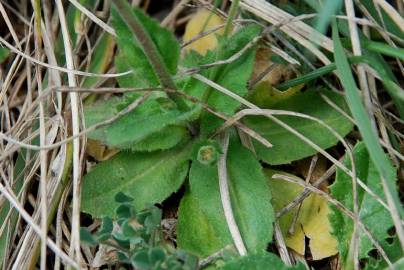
<point x="42" y="138"/>
<point x="146" y="43"/>
<point x="149" y="48"/>
<point x="230" y="18"/>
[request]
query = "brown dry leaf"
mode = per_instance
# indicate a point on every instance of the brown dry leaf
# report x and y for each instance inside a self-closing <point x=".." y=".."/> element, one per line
<point x="105" y="255"/>
<point x="99" y="151"/>
<point x="312" y="221"/>
<point x="203" y="21"/>
<point x="263" y="61"/>
<point x="302" y="167"/>
<point x="266" y="74"/>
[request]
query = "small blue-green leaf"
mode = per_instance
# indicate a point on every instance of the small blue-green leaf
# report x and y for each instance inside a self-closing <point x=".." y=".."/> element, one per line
<point x="120" y="197"/>
<point x="87" y="238"/>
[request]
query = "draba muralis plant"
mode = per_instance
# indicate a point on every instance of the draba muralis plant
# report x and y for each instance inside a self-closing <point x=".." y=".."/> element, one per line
<point x="170" y="133"/>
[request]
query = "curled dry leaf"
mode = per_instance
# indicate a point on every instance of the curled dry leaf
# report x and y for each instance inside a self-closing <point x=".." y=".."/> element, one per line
<point x="312" y="221"/>
<point x="203" y="21"/>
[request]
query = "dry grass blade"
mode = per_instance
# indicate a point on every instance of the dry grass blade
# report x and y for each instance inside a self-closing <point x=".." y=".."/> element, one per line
<point x="225" y="197"/>
<point x="394" y="15"/>
<point x="61" y="69"/>
<point x="42" y="135"/>
<point x="75" y="110"/>
<point x="178" y="8"/>
<point x="297" y="30"/>
<point x="36" y="228"/>
<point x="306" y="192"/>
<point x="93" y="17"/>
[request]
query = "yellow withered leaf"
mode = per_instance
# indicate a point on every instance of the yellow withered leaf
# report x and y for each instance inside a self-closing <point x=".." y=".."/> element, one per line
<point x="99" y="151"/>
<point x="266" y="96"/>
<point x="276" y="74"/>
<point x="203" y="21"/>
<point x="312" y="221"/>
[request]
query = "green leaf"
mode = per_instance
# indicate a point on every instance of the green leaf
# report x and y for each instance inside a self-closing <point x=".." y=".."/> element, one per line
<point x="286" y="146"/>
<point x="4" y="53"/>
<point x="329" y="9"/>
<point x="233" y="76"/>
<point x="202" y="228"/>
<point x="132" y="55"/>
<point x="146" y="177"/>
<point x="259" y="261"/>
<point x="371" y="212"/>
<point x="383" y="68"/>
<point x="105" y="231"/>
<point x="141" y="260"/>
<point x="394" y="252"/>
<point x="143" y="129"/>
<point x="386" y="49"/>
<point x="87" y="238"/>
<point x="167" y="138"/>
<point x="120" y="197"/>
<point x="124" y="211"/>
<point x="370" y="137"/>
<point x="201" y="231"/>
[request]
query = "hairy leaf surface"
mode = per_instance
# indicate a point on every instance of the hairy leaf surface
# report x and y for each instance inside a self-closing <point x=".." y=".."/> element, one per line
<point x="234" y="75"/>
<point x="142" y="129"/>
<point x="202" y="228"/>
<point x="131" y="52"/>
<point x="157" y="123"/>
<point x="371" y="212"/>
<point x="286" y="146"/>
<point x="146" y="177"/>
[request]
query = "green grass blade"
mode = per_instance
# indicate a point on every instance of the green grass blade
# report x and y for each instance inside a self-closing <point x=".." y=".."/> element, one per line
<point x="316" y="74"/>
<point x="380" y="159"/>
<point x="385" y="49"/>
<point x="328" y="10"/>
